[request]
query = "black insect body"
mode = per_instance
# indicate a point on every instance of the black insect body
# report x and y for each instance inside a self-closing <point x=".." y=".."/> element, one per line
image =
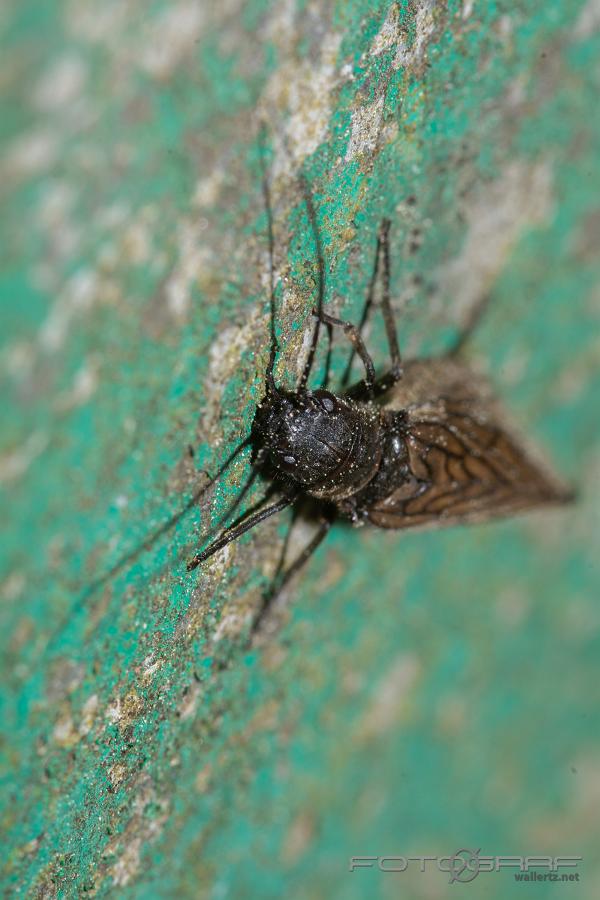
<point x="331" y="447"/>
<point x="425" y="445"/>
<point x="431" y="452"/>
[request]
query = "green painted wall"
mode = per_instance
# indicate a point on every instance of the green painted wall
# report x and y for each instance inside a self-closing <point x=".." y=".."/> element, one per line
<point x="422" y="692"/>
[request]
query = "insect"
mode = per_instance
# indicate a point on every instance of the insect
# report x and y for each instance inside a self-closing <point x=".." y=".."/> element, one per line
<point x="425" y="445"/>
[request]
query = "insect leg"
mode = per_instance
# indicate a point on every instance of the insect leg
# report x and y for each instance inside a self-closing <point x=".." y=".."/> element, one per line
<point x="365" y="313"/>
<point x="353" y="335"/>
<point x="390" y="378"/>
<point x="286" y="541"/>
<point x="169" y="523"/>
<point x="131" y="555"/>
<point x="285" y="576"/>
<point x="232" y="534"/>
<point x="272" y="489"/>
<point x="473" y="319"/>
<point x="395" y="373"/>
<point x="285" y="545"/>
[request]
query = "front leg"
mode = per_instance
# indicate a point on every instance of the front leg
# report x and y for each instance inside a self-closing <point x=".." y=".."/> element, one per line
<point x="353" y="335"/>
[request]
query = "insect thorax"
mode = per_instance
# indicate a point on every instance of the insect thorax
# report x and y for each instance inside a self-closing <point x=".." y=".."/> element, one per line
<point x="330" y="446"/>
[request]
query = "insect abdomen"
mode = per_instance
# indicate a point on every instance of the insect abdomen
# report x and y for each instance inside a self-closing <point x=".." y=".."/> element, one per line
<point x="391" y="473"/>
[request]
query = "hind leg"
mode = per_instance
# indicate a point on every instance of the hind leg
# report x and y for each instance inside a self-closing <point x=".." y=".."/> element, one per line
<point x="473" y="319"/>
<point x="283" y="577"/>
<point x="382" y="255"/>
<point x="395" y="373"/>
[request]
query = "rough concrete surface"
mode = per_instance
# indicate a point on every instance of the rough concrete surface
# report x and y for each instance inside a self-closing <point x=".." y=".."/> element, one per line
<point x="421" y="693"/>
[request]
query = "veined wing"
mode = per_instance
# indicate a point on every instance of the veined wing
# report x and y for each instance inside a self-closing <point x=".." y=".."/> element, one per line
<point x="465" y="464"/>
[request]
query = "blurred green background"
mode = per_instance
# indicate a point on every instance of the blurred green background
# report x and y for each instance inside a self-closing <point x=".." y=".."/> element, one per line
<point x="422" y="692"/>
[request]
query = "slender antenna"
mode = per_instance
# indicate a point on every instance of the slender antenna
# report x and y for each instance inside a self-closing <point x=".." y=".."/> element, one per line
<point x="327" y="375"/>
<point x="271" y="387"/>
<point x="169" y="523"/>
<point x="234" y="533"/>
<point x="321" y="285"/>
<point x="131" y="555"/>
